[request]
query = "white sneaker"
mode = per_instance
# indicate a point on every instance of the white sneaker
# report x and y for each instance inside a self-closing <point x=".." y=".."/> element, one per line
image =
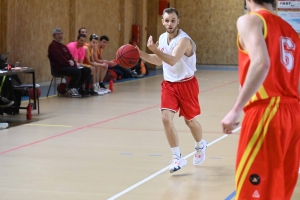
<point x="102" y="90"/>
<point x="107" y="90"/>
<point x="176" y="163"/>
<point x="199" y="156"/>
<point x="95" y="89"/>
<point x="74" y="93"/>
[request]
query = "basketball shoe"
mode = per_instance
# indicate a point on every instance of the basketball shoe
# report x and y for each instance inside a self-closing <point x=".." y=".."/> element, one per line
<point x="176" y="163"/>
<point x="4" y="102"/>
<point x="103" y="88"/>
<point x="199" y="156"/>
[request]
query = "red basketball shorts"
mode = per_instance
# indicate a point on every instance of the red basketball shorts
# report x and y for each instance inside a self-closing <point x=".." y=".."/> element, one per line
<point x="269" y="150"/>
<point x="181" y="96"/>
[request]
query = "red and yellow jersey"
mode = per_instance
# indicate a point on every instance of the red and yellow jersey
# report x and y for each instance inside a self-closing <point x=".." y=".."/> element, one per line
<point x="90" y="54"/>
<point x="99" y="51"/>
<point x="284" y="50"/>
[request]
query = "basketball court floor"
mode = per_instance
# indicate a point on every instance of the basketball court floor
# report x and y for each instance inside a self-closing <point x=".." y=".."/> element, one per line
<point x="114" y="147"/>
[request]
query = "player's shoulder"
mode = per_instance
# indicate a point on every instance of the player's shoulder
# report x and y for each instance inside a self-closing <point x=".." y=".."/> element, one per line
<point x="163" y="35"/>
<point x="249" y="19"/>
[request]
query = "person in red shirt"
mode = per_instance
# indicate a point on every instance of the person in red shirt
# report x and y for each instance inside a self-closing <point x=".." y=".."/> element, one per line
<point x="269" y="71"/>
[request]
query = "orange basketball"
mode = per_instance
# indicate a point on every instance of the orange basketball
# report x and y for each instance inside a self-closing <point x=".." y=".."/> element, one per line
<point x="62" y="88"/>
<point x="37" y="93"/>
<point x="127" y="56"/>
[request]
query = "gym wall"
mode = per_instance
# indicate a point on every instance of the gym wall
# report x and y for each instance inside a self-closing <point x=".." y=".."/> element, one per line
<point x="26" y="27"/>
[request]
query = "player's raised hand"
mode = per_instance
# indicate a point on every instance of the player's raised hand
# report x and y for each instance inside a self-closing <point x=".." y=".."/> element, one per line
<point x="151" y="45"/>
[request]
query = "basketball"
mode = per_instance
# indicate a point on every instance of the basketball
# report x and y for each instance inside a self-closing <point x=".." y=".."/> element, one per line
<point x="127" y="56"/>
<point x="37" y="93"/>
<point x="62" y="88"/>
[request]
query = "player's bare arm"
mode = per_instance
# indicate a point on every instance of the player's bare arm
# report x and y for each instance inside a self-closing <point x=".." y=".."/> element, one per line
<point x="250" y="29"/>
<point x="97" y="60"/>
<point x="110" y="62"/>
<point x="184" y="47"/>
<point x="150" y="58"/>
<point x="89" y="60"/>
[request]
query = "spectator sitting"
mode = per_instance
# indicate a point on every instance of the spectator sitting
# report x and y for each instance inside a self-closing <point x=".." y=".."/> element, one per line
<point x="62" y="62"/>
<point x="121" y="71"/>
<point x="78" y="53"/>
<point x="103" y="41"/>
<point x="89" y="61"/>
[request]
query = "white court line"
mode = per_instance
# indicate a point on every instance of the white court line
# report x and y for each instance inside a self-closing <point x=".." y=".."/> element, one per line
<point x="164" y="169"/>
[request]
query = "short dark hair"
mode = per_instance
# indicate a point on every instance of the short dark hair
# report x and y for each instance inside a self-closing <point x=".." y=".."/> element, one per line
<point x="169" y="11"/>
<point x="104" y="37"/>
<point x="79" y="31"/>
<point x="261" y="2"/>
<point x="94" y="37"/>
<point x="80" y="36"/>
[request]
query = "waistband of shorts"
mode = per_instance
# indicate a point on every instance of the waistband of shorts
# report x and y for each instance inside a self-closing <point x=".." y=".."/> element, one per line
<point x="283" y="100"/>
<point x="182" y="80"/>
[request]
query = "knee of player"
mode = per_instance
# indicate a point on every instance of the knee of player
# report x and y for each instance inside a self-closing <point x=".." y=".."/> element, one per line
<point x="166" y="120"/>
<point x="190" y="123"/>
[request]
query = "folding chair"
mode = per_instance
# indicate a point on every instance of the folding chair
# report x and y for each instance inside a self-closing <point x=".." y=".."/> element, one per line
<point x="54" y="76"/>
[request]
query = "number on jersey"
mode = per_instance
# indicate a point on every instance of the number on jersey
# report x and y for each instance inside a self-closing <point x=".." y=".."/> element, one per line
<point x="286" y="56"/>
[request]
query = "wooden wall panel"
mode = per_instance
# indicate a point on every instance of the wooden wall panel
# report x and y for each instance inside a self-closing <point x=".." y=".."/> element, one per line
<point x="141" y="20"/>
<point x="212" y="25"/>
<point x="30" y="25"/>
<point x="152" y="14"/>
<point x="128" y="20"/>
<point x="101" y="17"/>
<point x="3" y="26"/>
<point x="27" y="27"/>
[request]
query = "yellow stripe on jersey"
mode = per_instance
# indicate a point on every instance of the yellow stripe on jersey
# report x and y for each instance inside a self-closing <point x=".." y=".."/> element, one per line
<point x="258" y="137"/>
<point x="254" y="98"/>
<point x="262" y="93"/>
<point x="239" y="45"/>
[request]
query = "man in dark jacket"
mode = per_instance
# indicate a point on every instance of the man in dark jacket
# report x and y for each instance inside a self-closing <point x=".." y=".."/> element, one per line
<point x="62" y="62"/>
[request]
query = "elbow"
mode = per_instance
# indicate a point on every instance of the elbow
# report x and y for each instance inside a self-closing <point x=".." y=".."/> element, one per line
<point x="264" y="65"/>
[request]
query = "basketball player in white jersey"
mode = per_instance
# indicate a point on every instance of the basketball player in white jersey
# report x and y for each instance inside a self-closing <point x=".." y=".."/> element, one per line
<point x="176" y="52"/>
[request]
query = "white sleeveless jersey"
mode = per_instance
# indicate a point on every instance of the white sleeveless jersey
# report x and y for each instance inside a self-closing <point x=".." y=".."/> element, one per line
<point x="185" y="67"/>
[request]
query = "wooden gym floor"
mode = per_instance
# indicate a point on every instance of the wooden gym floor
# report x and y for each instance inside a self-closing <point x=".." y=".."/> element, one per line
<point x="114" y="147"/>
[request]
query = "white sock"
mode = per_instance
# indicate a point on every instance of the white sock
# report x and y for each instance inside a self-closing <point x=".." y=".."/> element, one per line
<point x="95" y="86"/>
<point x="176" y="151"/>
<point x="199" y="145"/>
